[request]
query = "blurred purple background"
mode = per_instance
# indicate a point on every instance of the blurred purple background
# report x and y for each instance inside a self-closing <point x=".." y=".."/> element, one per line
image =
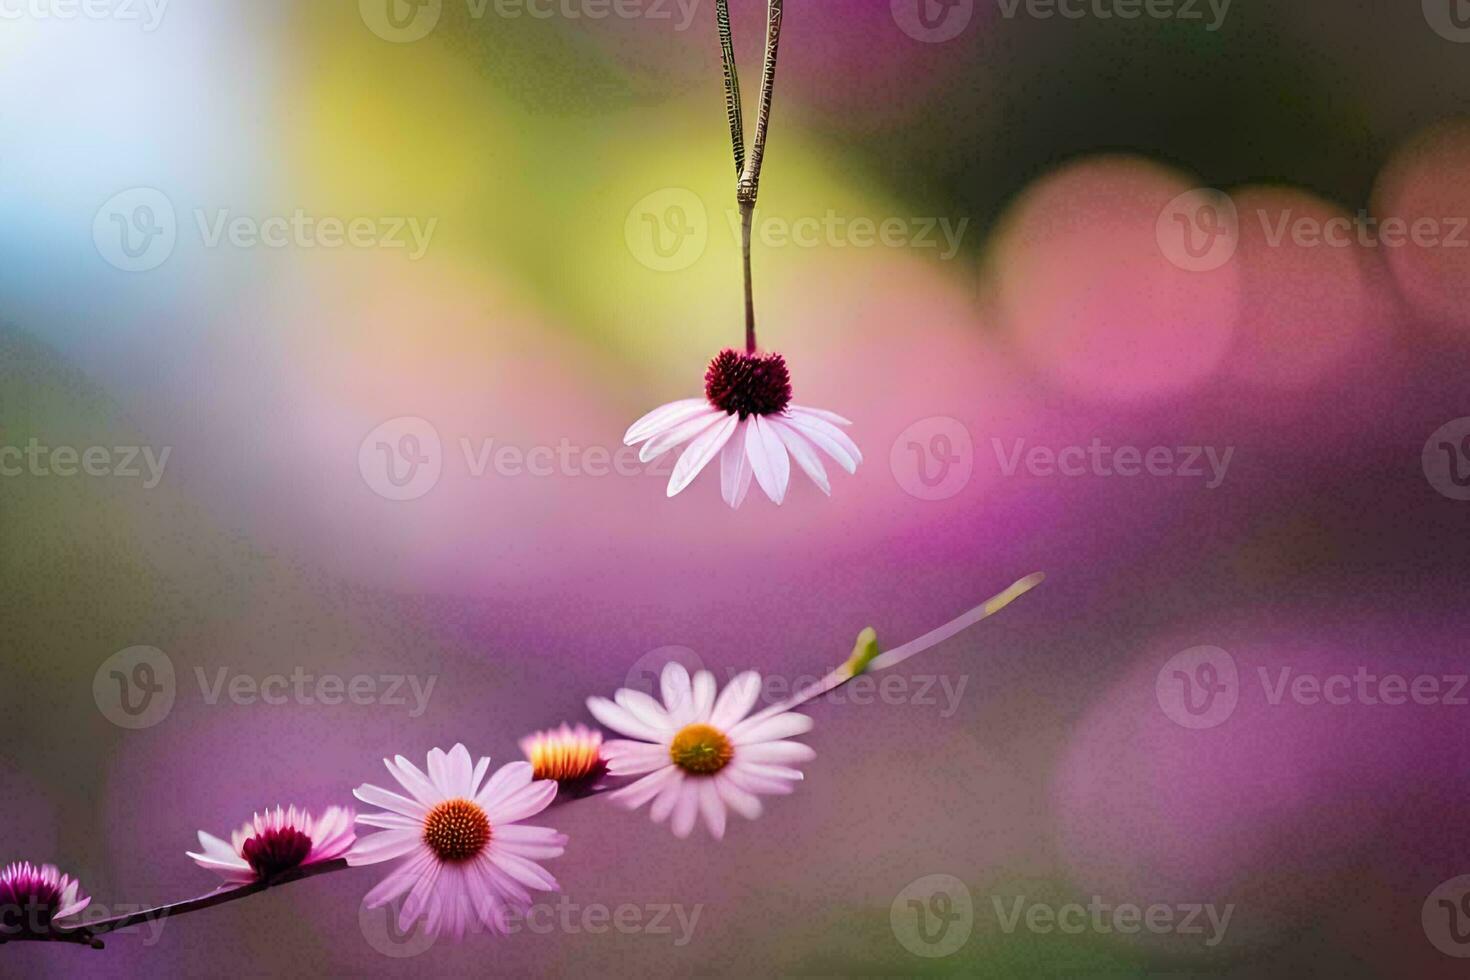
<point x="1305" y="374"/>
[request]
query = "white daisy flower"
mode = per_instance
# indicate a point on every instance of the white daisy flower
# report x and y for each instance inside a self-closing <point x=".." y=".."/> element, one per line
<point x="464" y="856"/>
<point x="698" y="754"/>
<point x="747" y="419"/>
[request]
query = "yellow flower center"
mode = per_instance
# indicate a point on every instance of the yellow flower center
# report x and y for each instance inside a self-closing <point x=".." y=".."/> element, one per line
<point x="701" y="749"/>
<point x="456" y="830"/>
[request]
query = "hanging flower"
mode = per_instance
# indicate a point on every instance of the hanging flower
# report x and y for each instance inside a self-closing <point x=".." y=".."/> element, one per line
<point x="747" y="419"/>
<point x="277" y="841"/>
<point x="32" y="898"/>
<point x="698" y="754"/>
<point x="570" y="755"/>
<point x="464" y="857"/>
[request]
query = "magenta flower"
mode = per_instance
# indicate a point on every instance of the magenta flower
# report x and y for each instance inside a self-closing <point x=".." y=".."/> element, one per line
<point x="32" y="898"/>
<point x="701" y="754"/>
<point x="747" y="419"/>
<point x="464" y="858"/>
<point x="277" y="841"/>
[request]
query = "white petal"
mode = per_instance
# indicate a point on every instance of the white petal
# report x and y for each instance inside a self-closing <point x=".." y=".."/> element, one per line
<point x="777" y="753"/>
<point x="439" y="773"/>
<point x="820" y="413"/>
<point x="644" y="708"/>
<point x="686" y="808"/>
<point x="704" y="695"/>
<point x="383" y="846"/>
<point x="389" y="821"/>
<point x="677" y="694"/>
<point x="461" y="769"/>
<point x="756" y="783"/>
<point x="411" y="778"/>
<point x="626" y="758"/>
<point x="509" y="779"/>
<point x="377" y="796"/>
<point x="668" y="795"/>
<point x="526" y="871"/>
<point x="712" y="807"/>
<point x="662" y="418"/>
<point x="829" y="439"/>
<point x="523" y="803"/>
<point x="699" y="453"/>
<point x="770" y="729"/>
<point x="806" y="457"/>
<point x="767" y="455"/>
<point x="640" y="792"/>
<point x="742" y="801"/>
<point x="679" y="434"/>
<point x="735" y="468"/>
<point x="400" y="879"/>
<point x="736" y="700"/>
<point x="621" y="720"/>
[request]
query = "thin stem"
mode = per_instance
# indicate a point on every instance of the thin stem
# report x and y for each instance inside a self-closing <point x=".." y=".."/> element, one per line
<point x="747" y="218"/>
<point x="732" y="84"/>
<point x="88" y="934"/>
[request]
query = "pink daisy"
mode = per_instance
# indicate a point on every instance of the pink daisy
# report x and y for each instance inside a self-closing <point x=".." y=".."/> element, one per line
<point x="698" y="754"/>
<point x="747" y="419"/>
<point x="465" y="859"/>
<point x="31" y="898"/>
<point x="277" y="841"/>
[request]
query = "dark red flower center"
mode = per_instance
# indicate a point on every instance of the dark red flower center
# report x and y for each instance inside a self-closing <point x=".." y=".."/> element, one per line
<point x="748" y="384"/>
<point x="27" y="904"/>
<point x="276" y="850"/>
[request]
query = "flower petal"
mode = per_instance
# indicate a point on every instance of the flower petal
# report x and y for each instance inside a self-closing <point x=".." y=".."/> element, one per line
<point x="377" y="796"/>
<point x="522" y="803"/>
<point x="663" y="417"/>
<point x="820" y="413"/>
<point x="686" y="808"/>
<point x="625" y="758"/>
<point x="767" y="455"/>
<point x="621" y="720"/>
<point x="777" y="753"/>
<point x="735" y="471"/>
<point x="770" y="729"/>
<point x="508" y="779"/>
<point x="742" y="801"/>
<point x="411" y="778"/>
<point x="679" y="434"/>
<point x="677" y="693"/>
<point x="806" y="457"/>
<point x="699" y="453"/>
<point x="828" y="438"/>
<point x="644" y="708"/>
<point x="637" y="793"/>
<point x="712" y="807"/>
<point x="383" y="846"/>
<point x="736" y="700"/>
